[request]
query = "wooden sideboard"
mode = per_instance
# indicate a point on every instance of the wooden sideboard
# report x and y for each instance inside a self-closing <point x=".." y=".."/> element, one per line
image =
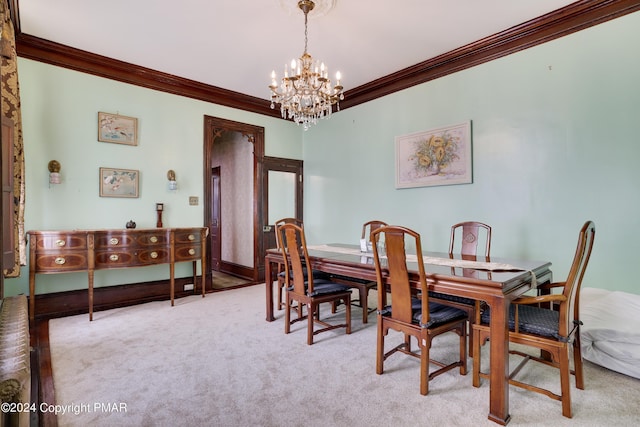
<point x="65" y="251"/>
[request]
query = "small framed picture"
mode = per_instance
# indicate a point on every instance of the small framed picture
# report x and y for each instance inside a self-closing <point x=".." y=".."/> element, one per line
<point x="119" y="182"/>
<point x="117" y="129"/>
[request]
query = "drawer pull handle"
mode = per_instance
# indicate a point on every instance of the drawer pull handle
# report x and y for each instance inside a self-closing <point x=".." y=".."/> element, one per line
<point x="114" y="241"/>
<point x="153" y="239"/>
<point x="154" y="255"/>
<point x="192" y="251"/>
<point x="114" y="257"/>
<point x="60" y="243"/>
<point x="60" y="261"/>
<point x="192" y="237"/>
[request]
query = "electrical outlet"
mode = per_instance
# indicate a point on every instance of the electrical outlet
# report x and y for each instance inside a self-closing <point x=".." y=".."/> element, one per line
<point x="193" y="200"/>
<point x="188" y="287"/>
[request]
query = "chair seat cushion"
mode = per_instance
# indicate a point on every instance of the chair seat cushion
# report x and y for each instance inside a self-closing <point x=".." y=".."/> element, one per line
<point x="438" y="313"/>
<point x="531" y="319"/>
<point x="325" y="287"/>
<point x="453" y="298"/>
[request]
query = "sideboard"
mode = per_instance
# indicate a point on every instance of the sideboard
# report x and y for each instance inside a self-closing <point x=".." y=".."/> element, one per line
<point x="65" y="251"/>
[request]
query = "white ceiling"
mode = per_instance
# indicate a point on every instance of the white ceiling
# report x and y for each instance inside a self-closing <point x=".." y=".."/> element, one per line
<point x="234" y="44"/>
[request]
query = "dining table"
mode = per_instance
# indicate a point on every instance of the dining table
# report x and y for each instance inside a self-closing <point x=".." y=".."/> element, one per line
<point x="495" y="281"/>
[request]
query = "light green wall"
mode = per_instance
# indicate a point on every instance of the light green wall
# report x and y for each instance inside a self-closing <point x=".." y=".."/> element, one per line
<point x="59" y="112"/>
<point x="555" y="143"/>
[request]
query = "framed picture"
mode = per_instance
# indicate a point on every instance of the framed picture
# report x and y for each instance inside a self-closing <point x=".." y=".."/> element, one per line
<point x="119" y="182"/>
<point x="435" y="157"/>
<point x="117" y="129"/>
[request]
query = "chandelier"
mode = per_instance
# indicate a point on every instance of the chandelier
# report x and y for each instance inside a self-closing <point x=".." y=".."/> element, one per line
<point x="305" y="94"/>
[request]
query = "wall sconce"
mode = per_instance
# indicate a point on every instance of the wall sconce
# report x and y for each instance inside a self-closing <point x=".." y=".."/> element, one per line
<point x="54" y="172"/>
<point x="171" y="176"/>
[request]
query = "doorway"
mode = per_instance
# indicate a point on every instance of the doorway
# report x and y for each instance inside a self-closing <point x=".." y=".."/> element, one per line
<point x="242" y="187"/>
<point x="233" y="158"/>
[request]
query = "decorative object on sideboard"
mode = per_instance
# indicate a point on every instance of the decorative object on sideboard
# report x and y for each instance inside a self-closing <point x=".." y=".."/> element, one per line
<point x="306" y="94"/>
<point x="117" y="129"/>
<point x="159" y="209"/>
<point x="131" y="224"/>
<point x="119" y="182"/>
<point x="171" y="176"/>
<point x="54" y="172"/>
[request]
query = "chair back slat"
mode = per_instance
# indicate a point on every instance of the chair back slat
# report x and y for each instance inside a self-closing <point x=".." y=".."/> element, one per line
<point x="294" y="249"/>
<point x="371" y="226"/>
<point x="398" y="275"/>
<point x="574" y="278"/>
<point x="469" y="234"/>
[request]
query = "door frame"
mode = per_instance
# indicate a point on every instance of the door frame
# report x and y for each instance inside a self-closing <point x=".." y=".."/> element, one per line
<point x="213" y="129"/>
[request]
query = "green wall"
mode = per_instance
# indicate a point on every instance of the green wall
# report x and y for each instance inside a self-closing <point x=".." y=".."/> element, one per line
<point x="555" y="143"/>
<point x="60" y="111"/>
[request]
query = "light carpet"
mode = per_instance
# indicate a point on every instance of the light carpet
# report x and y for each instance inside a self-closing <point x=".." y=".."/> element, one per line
<point x="215" y="361"/>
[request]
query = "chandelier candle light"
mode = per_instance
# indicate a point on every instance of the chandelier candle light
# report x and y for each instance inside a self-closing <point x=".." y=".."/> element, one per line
<point x="305" y="94"/>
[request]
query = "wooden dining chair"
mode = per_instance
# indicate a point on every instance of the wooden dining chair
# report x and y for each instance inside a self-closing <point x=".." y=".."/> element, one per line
<point x="362" y="285"/>
<point x="409" y="315"/>
<point x="549" y="322"/>
<point x="304" y="288"/>
<point x="464" y="240"/>
<point x="281" y="272"/>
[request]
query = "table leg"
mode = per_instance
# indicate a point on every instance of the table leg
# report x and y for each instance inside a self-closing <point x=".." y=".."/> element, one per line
<point x="90" y="291"/>
<point x="268" y="281"/>
<point x="499" y="361"/>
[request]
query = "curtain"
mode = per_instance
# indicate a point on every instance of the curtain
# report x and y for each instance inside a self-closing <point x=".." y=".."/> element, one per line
<point x="11" y="110"/>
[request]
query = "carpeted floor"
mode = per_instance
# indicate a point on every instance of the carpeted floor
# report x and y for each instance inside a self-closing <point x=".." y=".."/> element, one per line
<point x="215" y="361"/>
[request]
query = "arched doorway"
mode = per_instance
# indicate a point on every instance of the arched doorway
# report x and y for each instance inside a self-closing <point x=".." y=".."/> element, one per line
<point x="233" y="198"/>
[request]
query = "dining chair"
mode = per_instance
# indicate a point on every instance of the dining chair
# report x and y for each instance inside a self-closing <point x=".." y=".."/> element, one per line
<point x="305" y="289"/>
<point x="280" y="271"/>
<point x="408" y="314"/>
<point x="549" y="322"/>
<point x="363" y="285"/>
<point x="464" y="240"/>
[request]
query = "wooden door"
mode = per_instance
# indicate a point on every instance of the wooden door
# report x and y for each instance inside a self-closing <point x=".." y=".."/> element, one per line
<point x="214" y="220"/>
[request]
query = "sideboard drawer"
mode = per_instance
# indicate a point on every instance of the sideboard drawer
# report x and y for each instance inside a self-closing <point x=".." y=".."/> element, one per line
<point x="152" y="238"/>
<point x="116" y="239"/>
<point x="114" y="259"/>
<point x="61" y="241"/>
<point x="188" y="252"/>
<point x="61" y="262"/>
<point x="153" y="256"/>
<point x="187" y="236"/>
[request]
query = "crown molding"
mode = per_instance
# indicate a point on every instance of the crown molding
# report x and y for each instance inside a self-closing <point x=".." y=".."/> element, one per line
<point x="572" y="18"/>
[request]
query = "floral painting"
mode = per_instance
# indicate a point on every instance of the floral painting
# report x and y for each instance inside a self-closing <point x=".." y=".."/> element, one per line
<point x="117" y="129"/>
<point x="435" y="157"/>
<point x="119" y="182"/>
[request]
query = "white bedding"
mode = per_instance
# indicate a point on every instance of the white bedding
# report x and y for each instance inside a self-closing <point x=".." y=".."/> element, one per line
<point x="610" y="332"/>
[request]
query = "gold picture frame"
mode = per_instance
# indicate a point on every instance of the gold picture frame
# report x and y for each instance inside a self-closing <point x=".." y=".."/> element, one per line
<point x="435" y="157"/>
<point x="117" y="129"/>
<point x="115" y="182"/>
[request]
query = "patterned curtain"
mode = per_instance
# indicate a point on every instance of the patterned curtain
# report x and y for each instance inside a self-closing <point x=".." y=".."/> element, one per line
<point x="11" y="110"/>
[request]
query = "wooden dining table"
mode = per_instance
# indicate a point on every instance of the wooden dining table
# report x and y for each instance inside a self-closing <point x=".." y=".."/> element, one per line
<point x="496" y="281"/>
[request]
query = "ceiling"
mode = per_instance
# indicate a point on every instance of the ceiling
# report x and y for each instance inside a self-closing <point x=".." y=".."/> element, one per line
<point x="235" y="44"/>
